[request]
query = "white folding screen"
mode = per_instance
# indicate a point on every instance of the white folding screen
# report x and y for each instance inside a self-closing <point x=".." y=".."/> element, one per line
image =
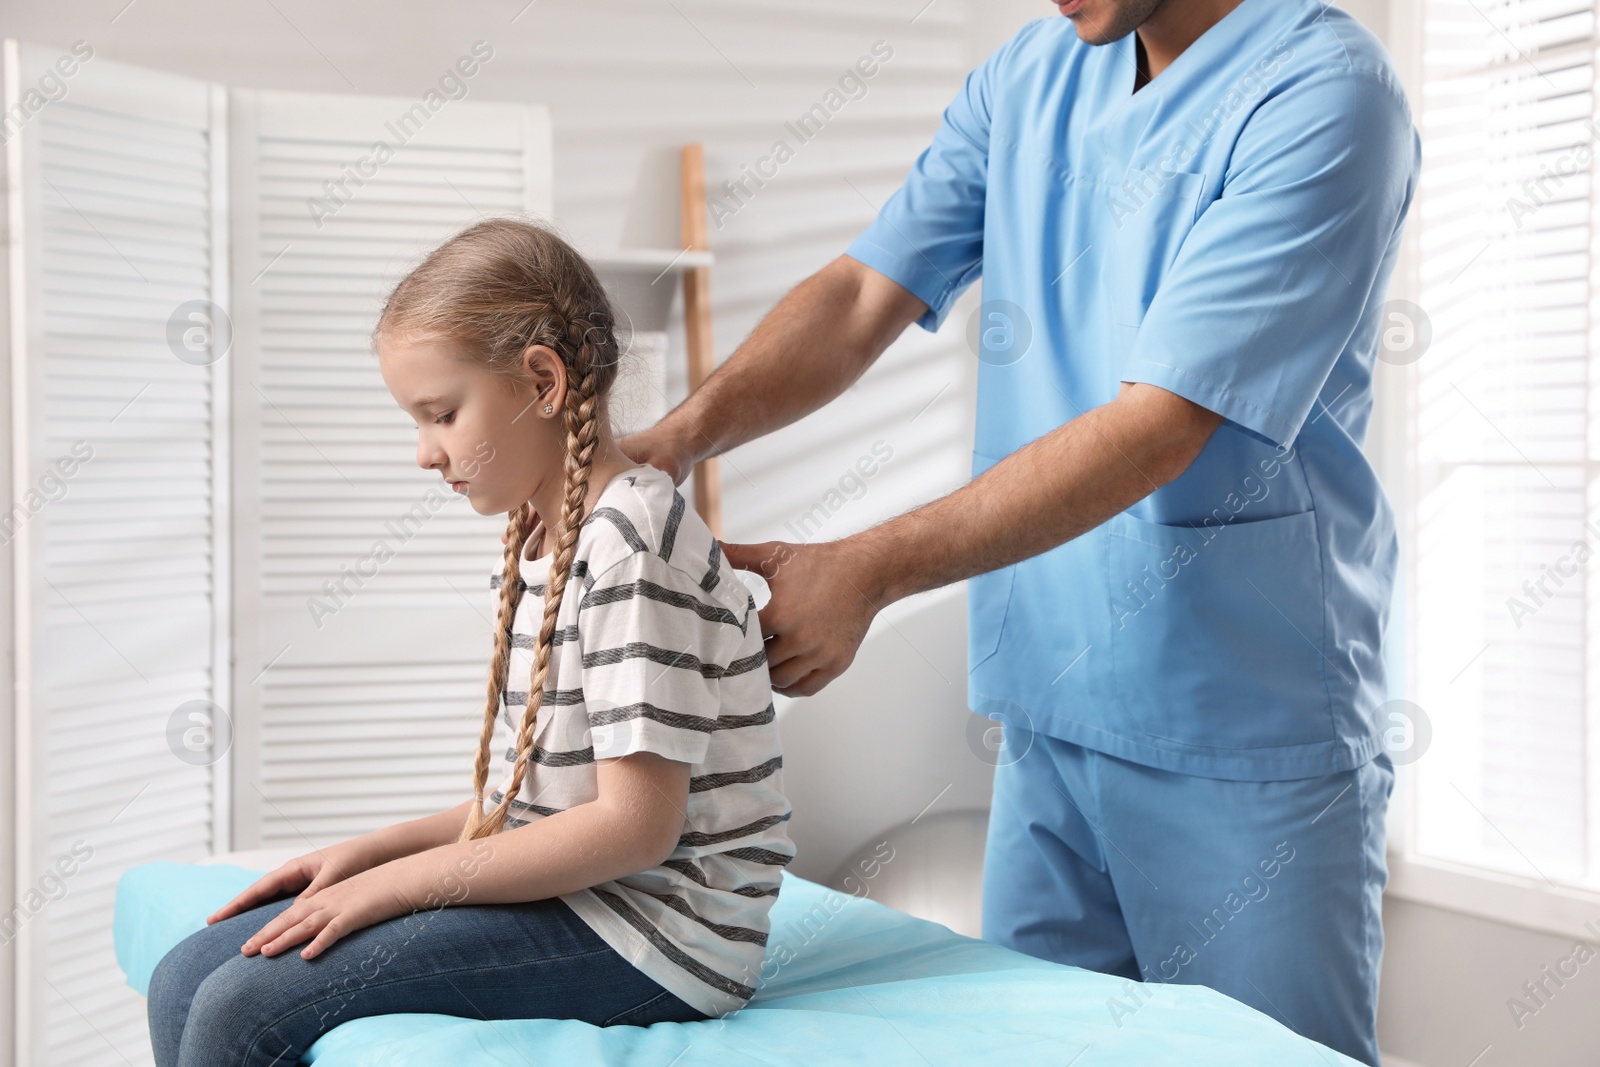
<point x="117" y="525"/>
<point x="242" y="614"/>
<point x="361" y="580"/>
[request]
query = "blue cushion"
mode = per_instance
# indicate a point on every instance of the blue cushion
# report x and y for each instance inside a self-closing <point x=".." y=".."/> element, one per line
<point x="847" y="980"/>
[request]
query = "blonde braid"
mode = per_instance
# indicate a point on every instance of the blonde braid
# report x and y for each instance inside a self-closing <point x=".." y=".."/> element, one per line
<point x="583" y="434"/>
<point x="500" y="666"/>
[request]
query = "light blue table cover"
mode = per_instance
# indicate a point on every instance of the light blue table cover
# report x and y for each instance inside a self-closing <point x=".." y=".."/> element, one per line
<point x="849" y="982"/>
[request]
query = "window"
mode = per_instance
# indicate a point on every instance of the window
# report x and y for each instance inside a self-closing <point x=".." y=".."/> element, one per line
<point x="1504" y="433"/>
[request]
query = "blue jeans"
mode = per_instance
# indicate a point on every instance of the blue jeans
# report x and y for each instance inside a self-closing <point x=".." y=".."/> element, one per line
<point x="209" y="1004"/>
<point x="1269" y="892"/>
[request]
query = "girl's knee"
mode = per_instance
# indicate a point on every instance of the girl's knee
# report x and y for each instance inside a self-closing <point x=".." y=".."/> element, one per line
<point x="259" y="1009"/>
<point x="178" y="972"/>
<point x="161" y="978"/>
<point x="233" y="1006"/>
<point x="234" y="990"/>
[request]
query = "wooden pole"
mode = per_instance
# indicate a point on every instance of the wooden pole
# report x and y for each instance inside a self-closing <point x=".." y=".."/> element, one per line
<point x="697" y="321"/>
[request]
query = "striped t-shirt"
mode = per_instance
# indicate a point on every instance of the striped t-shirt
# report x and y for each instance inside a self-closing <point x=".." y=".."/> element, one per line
<point x="658" y="648"/>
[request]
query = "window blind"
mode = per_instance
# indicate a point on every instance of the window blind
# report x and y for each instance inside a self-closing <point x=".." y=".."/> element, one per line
<point x="1505" y="533"/>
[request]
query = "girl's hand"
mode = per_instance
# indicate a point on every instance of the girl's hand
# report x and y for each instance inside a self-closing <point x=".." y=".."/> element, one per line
<point x="304" y="875"/>
<point x="357" y="902"/>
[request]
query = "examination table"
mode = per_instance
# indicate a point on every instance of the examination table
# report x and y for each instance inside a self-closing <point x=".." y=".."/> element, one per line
<point x="847" y="981"/>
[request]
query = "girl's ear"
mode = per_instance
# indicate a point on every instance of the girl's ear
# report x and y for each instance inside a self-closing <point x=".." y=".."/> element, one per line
<point x="546" y="375"/>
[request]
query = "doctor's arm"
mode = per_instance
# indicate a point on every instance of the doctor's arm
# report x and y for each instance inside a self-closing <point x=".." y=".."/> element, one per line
<point x="826" y="332"/>
<point x="809" y="349"/>
<point x="1058" y="486"/>
<point x="831" y="328"/>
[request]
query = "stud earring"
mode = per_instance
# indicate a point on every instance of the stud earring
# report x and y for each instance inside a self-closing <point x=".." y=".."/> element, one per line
<point x="548" y="409"/>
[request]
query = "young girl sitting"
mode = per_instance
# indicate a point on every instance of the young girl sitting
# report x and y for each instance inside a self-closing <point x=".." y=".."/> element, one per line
<point x="623" y="870"/>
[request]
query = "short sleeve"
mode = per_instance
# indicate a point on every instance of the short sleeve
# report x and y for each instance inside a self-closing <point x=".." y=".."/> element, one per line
<point x="928" y="237"/>
<point x="1276" y="275"/>
<point x="654" y="646"/>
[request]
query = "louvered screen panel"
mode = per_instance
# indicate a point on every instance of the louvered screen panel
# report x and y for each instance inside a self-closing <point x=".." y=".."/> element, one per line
<point x="1502" y="424"/>
<point x="365" y="687"/>
<point x="121" y="609"/>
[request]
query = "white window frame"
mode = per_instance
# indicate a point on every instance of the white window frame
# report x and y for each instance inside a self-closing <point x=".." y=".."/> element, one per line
<point x="1500" y="896"/>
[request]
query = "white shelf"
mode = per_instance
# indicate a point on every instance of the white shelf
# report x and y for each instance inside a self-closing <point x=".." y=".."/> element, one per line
<point x="643" y="281"/>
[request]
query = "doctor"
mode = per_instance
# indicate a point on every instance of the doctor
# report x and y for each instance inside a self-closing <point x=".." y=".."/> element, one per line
<point x="1179" y="561"/>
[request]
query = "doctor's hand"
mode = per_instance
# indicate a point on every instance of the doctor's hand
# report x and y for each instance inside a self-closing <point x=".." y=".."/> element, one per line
<point x="662" y="452"/>
<point x="822" y="604"/>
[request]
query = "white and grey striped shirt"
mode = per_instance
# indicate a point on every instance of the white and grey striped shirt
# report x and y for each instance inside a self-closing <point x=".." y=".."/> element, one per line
<point x="658" y="648"/>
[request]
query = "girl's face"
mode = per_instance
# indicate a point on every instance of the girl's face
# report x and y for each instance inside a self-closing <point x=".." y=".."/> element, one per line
<point x="487" y="436"/>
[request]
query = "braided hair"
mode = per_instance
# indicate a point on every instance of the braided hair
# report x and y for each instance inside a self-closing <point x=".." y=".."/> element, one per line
<point x="497" y="287"/>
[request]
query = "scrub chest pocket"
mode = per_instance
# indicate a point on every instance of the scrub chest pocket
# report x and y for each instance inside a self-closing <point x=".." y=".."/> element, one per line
<point x="1152" y="213"/>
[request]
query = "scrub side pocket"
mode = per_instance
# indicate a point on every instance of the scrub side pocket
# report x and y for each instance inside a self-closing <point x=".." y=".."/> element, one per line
<point x="1217" y="635"/>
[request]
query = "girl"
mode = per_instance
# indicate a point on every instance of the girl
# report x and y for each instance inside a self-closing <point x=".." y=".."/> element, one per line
<point x="623" y="870"/>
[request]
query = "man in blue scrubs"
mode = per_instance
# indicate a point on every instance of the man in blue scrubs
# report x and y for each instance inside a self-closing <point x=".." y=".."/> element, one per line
<point x="1180" y="560"/>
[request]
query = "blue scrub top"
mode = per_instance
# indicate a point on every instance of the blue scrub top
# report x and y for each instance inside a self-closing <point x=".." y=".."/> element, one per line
<point x="1226" y="233"/>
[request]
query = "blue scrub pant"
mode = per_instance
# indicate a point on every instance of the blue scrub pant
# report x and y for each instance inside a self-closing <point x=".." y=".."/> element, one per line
<point x="1269" y="892"/>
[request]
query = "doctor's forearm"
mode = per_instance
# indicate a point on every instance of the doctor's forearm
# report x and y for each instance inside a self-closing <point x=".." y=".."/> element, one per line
<point x="809" y="349"/>
<point x="1053" y="489"/>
